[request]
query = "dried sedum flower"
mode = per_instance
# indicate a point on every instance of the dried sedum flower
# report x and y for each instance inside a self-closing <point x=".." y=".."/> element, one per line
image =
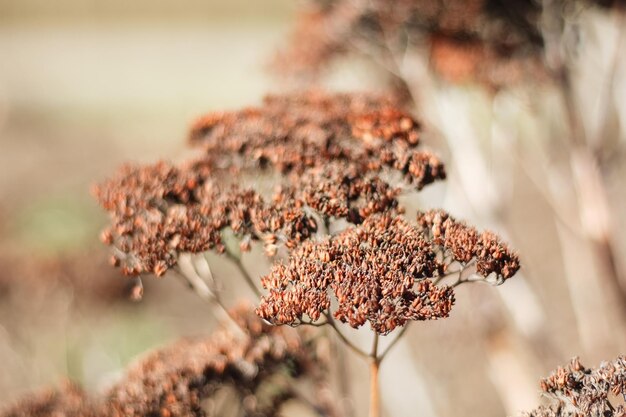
<point x="178" y="381"/>
<point x="340" y="192"/>
<point x="585" y="392"/>
<point x="379" y="272"/>
<point x="464" y="243"/>
<point x="84" y="273"/>
<point x="334" y="154"/>
<point x="557" y="410"/>
<point x="292" y="133"/>
<point x="175" y="381"/>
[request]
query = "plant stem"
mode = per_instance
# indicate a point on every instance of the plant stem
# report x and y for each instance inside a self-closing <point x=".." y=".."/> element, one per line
<point x="343" y="338"/>
<point x="393" y="342"/>
<point x="374" y="386"/>
<point x="203" y="291"/>
<point x="244" y="272"/>
<point x="374" y="389"/>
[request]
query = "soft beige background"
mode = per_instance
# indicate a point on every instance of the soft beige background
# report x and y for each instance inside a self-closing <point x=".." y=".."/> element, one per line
<point x="85" y="86"/>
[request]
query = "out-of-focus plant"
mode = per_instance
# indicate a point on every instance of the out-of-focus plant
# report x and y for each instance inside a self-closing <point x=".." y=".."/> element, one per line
<point x="218" y="375"/>
<point x="579" y="391"/>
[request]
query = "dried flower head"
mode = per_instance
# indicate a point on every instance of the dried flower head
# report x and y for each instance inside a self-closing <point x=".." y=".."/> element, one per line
<point x="380" y="272"/>
<point x="336" y="156"/>
<point x="84" y="273"/>
<point x="589" y="392"/>
<point x="177" y="380"/>
<point x="464" y="244"/>
<point x="259" y="368"/>
<point x="292" y="133"/>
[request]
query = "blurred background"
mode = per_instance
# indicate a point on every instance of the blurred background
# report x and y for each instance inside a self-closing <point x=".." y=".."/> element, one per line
<point x="88" y="85"/>
<point x="84" y="87"/>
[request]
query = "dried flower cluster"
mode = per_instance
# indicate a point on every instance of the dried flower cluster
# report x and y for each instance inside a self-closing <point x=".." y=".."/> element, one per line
<point x="493" y="42"/>
<point x="381" y="272"/>
<point x="463" y="244"/>
<point x="329" y="157"/>
<point x="586" y="392"/>
<point x="182" y="379"/>
<point x="176" y="380"/>
<point x="161" y="211"/>
<point x="293" y="133"/>
<point x="335" y="154"/>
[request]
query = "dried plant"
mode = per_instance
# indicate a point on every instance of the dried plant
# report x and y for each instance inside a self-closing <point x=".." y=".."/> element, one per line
<point x="478" y="39"/>
<point x="331" y="160"/>
<point x="261" y="366"/>
<point x="577" y="391"/>
<point x="316" y="179"/>
<point x="531" y="113"/>
<point x="85" y="274"/>
<point x="333" y="151"/>
<point x="185" y="379"/>
<point x="382" y="271"/>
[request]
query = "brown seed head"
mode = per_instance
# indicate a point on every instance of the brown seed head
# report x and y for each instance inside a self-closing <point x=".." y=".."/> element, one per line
<point x="332" y="153"/>
<point x="465" y="243"/>
<point x="578" y="391"/>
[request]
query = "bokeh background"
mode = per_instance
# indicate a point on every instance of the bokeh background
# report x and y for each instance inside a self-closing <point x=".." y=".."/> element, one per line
<point x="88" y="85"/>
<point x="84" y="87"/>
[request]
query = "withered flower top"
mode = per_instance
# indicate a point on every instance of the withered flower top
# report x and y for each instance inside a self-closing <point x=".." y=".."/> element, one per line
<point x="335" y="156"/>
<point x="175" y="381"/>
<point x="578" y="391"/>
<point x="380" y="271"/>
<point x="464" y="244"/>
<point x="178" y="380"/>
<point x="292" y="133"/>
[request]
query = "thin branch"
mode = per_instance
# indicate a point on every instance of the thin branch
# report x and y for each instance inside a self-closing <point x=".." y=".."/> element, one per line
<point x="440" y="278"/>
<point x="469" y="281"/>
<point x="374" y="352"/>
<point x="344" y="339"/>
<point x="311" y="323"/>
<point x="207" y="274"/>
<point x="244" y="272"/>
<point x="202" y="290"/>
<point x="394" y="342"/>
<point x="374" y="379"/>
<point x="197" y="284"/>
<point x="463" y="277"/>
